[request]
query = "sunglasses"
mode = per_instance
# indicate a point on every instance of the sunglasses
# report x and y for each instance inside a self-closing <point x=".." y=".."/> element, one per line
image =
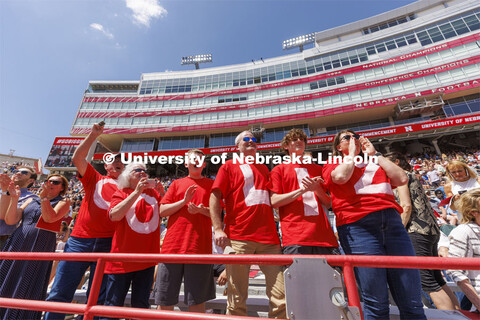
<point x="54" y="182"/>
<point x="246" y="139"/>
<point x="348" y="136"/>
<point x="140" y="170"/>
<point x="24" y="172"/>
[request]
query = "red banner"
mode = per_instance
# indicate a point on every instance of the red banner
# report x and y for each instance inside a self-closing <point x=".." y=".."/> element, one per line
<point x="67" y="141"/>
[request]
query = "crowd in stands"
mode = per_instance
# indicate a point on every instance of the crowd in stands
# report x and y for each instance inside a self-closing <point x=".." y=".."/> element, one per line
<point x="438" y="196"/>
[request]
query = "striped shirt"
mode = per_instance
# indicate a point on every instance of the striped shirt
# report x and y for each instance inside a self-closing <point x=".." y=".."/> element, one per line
<point x="465" y="243"/>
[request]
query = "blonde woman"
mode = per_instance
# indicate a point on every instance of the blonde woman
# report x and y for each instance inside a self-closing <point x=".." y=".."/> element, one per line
<point x="465" y="242"/>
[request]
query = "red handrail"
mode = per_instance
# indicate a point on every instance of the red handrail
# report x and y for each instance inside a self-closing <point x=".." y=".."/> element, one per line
<point x="90" y="309"/>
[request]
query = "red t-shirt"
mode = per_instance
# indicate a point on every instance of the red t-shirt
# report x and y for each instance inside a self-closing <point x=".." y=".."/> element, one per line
<point x="188" y="233"/>
<point x="137" y="232"/>
<point x="303" y="221"/>
<point x="92" y="220"/>
<point x="249" y="216"/>
<point x="367" y="191"/>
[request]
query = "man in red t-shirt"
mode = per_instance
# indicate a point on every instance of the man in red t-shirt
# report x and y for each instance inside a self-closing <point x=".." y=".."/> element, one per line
<point x="93" y="230"/>
<point x="249" y="226"/>
<point x="134" y="209"/>
<point x="189" y="231"/>
<point x="297" y="191"/>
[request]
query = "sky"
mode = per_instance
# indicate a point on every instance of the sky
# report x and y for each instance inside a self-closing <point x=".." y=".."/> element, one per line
<point x="51" y="49"/>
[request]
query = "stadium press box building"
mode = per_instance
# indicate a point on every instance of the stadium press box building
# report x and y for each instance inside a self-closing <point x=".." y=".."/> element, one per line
<point x="406" y="78"/>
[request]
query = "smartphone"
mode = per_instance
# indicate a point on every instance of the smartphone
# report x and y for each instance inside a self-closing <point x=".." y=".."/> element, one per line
<point x="152" y="183"/>
<point x="101" y="123"/>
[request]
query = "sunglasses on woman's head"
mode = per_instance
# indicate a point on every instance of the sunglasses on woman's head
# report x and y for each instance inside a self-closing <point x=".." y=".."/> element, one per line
<point x="246" y="139"/>
<point x="140" y="170"/>
<point x="348" y="136"/>
<point x="54" y="182"/>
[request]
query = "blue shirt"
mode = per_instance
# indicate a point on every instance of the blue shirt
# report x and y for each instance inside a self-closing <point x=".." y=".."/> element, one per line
<point x="6" y="229"/>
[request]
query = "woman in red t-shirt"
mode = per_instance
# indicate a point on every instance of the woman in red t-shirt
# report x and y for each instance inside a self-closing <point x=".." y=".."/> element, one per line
<point x="134" y="208"/>
<point x="368" y="223"/>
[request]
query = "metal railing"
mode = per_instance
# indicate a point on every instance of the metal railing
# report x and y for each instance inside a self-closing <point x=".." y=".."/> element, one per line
<point x="91" y="309"/>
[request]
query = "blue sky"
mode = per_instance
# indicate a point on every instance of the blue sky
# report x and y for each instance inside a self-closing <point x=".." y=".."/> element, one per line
<point x="50" y="49"/>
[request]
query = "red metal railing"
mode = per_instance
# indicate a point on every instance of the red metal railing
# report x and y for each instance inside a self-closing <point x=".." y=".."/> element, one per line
<point x="91" y="309"/>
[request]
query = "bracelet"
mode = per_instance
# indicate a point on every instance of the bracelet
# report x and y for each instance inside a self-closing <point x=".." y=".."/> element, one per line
<point x="44" y="199"/>
<point x="378" y="154"/>
<point x="5" y="193"/>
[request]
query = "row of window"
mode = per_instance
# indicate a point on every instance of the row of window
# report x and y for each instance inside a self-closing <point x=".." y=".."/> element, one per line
<point x="388" y="24"/>
<point x="462" y="105"/>
<point x="232" y="98"/>
<point x="449" y="29"/>
<point x="452" y="27"/>
<point x="437" y="58"/>
<point x="373" y="93"/>
<point x="190" y="142"/>
<point x="327" y="82"/>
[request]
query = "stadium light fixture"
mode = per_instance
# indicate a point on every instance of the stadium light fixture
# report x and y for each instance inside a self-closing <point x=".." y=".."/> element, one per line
<point x="299" y="41"/>
<point x="197" y="59"/>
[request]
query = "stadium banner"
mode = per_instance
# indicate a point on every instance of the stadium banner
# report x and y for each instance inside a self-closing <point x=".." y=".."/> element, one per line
<point x="362" y="67"/>
<point x="60" y="156"/>
<point x="393" y="130"/>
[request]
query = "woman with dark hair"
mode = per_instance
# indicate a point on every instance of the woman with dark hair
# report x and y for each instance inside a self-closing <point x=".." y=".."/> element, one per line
<point x="421" y="224"/>
<point x="368" y="223"/>
<point x="22" y="279"/>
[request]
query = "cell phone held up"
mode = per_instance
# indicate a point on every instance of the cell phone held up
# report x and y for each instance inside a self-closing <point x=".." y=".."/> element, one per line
<point x="101" y="123"/>
<point x="151" y="183"/>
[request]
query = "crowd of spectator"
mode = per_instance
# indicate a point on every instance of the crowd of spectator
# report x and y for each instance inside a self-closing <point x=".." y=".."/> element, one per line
<point x="437" y="193"/>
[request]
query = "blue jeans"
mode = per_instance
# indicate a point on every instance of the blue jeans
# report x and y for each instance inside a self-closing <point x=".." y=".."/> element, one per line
<point x="382" y="233"/>
<point x="70" y="273"/>
<point x="119" y="283"/>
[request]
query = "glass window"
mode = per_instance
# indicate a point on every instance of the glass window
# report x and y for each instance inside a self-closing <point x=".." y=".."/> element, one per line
<point x="424" y="38"/>
<point x="411" y="38"/>
<point x="354" y="59"/>
<point x="472" y="22"/>
<point x="380" y="47"/>
<point x="435" y="34"/>
<point x="322" y="83"/>
<point x="391" y="45"/>
<point x="447" y="30"/>
<point x="460" y="26"/>
<point x="371" y="50"/>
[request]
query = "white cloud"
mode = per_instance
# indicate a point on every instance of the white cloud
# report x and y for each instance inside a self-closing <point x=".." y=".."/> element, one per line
<point x="146" y="10"/>
<point x="99" y="27"/>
